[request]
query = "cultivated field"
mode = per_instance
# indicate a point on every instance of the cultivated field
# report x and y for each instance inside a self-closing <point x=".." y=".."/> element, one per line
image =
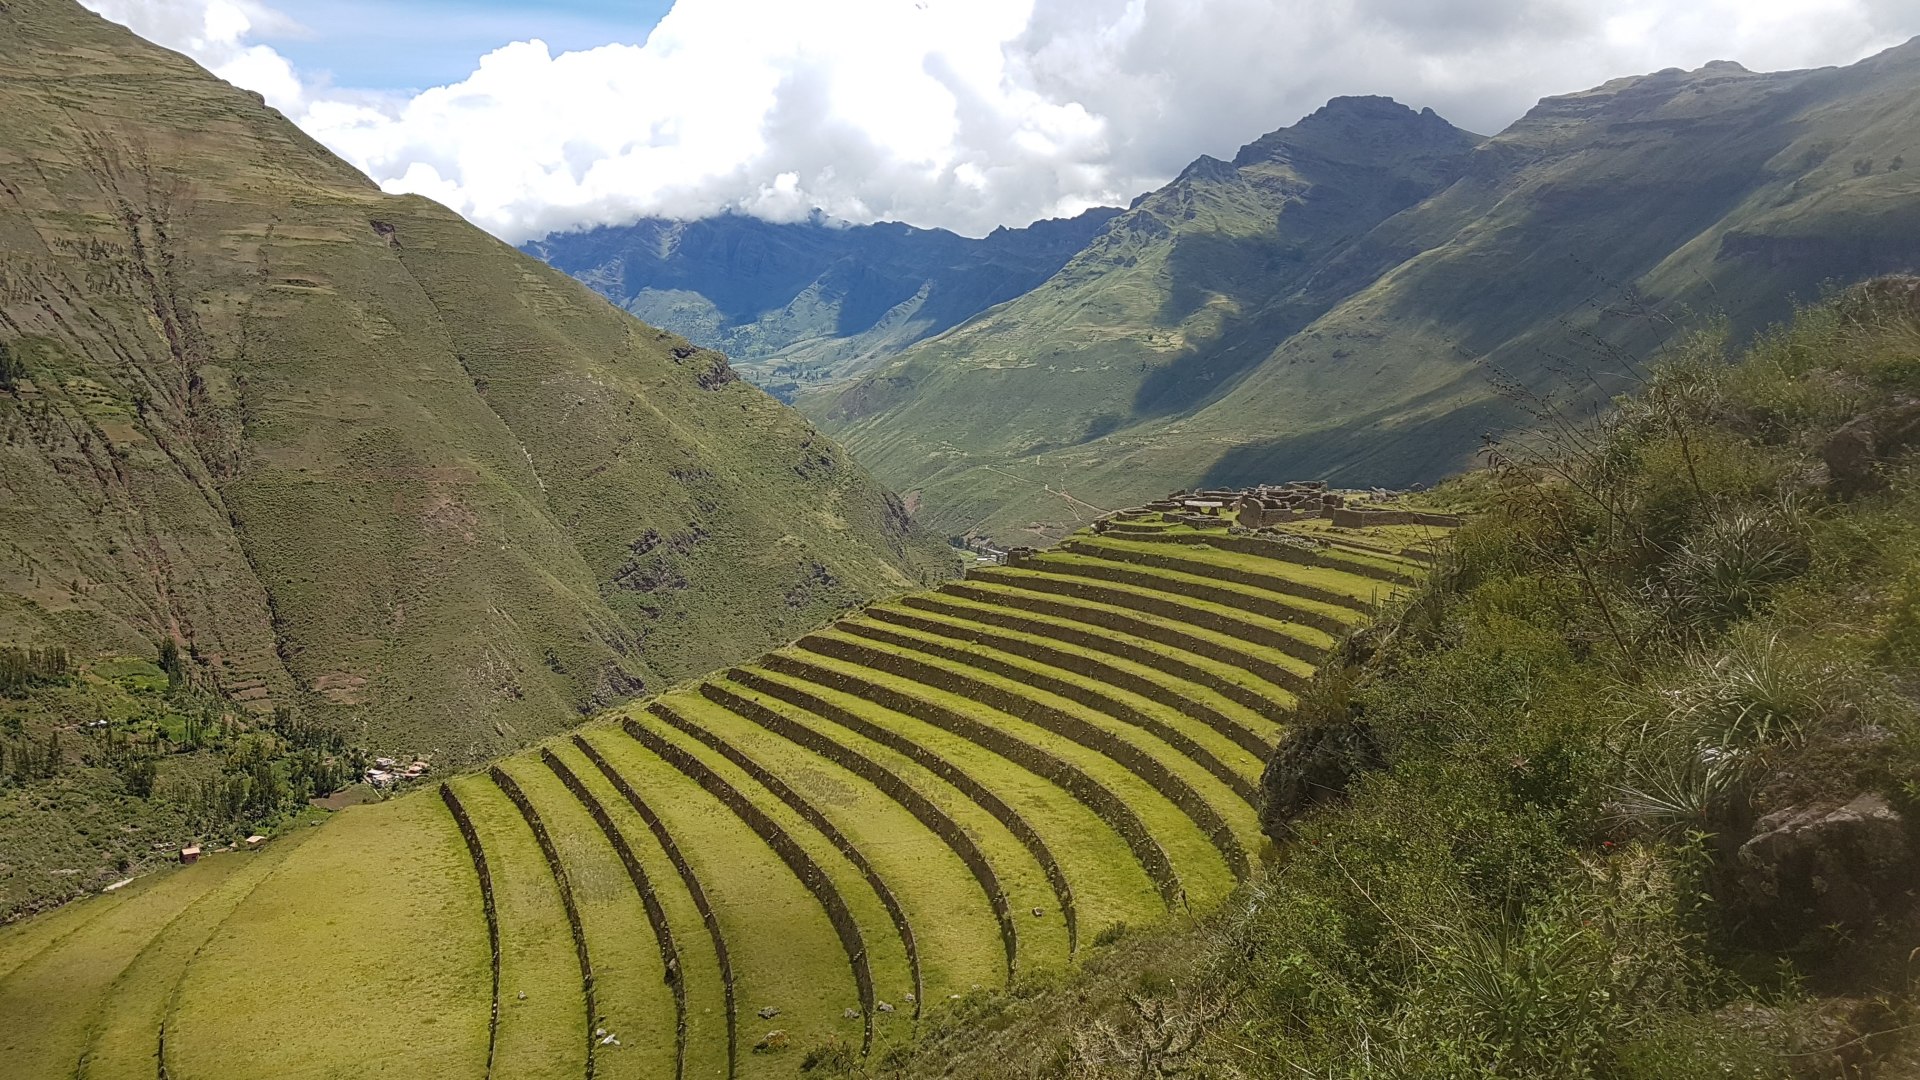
<point x="789" y="860"/>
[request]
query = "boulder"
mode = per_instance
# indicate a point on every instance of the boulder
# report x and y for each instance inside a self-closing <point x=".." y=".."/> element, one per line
<point x="1813" y="866"/>
<point x="1313" y="764"/>
<point x="1868" y="440"/>
<point x="772" y="1042"/>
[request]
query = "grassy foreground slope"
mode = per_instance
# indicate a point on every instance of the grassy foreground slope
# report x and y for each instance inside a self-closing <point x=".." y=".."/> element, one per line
<point x="1625" y="790"/>
<point x="328" y="438"/>
<point x="787" y="868"/>
<point x="1246" y="322"/>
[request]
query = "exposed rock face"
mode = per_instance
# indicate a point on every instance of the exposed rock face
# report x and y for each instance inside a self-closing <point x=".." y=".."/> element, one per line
<point x="1807" y="867"/>
<point x="1313" y="765"/>
<point x="1866" y="441"/>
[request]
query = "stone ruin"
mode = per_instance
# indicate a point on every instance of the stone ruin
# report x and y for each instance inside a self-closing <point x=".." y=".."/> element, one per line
<point x="1267" y="505"/>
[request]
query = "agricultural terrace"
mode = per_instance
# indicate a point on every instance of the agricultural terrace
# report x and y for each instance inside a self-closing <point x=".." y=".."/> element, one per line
<point x="789" y="861"/>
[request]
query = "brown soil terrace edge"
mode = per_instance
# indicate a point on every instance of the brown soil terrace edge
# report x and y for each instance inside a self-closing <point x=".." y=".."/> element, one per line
<point x="520" y="801"/>
<point x="893" y="786"/>
<point x="1272" y="607"/>
<point x="1235" y="574"/>
<point x="803" y="806"/>
<point x="479" y="856"/>
<point x="939" y="766"/>
<point x="1091" y="697"/>
<point x="1286" y="552"/>
<point x="1095" y="796"/>
<point x="1044" y="578"/>
<point x="1018" y="596"/>
<point x="1081" y="663"/>
<point x="1074" y="729"/>
<point x="1162" y="660"/>
<point x="691" y="880"/>
<point x="643" y="885"/>
<point x="784" y="845"/>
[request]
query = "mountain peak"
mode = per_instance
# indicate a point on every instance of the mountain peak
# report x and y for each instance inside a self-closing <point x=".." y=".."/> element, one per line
<point x="1362" y="127"/>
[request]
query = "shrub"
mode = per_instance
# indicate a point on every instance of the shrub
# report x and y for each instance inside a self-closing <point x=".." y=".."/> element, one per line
<point x="1728" y="569"/>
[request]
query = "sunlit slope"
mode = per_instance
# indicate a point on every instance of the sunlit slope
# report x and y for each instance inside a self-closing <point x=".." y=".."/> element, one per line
<point x="791" y="859"/>
<point x="357" y="454"/>
<point x="1553" y="255"/>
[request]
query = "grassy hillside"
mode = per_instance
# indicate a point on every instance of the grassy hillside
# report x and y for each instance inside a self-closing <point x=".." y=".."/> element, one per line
<point x="353" y="455"/>
<point x="1222" y="345"/>
<point x="807" y="303"/>
<point x="1626" y="789"/>
<point x="788" y="867"/>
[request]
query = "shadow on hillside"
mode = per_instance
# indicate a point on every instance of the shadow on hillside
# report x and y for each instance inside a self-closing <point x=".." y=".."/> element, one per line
<point x="1367" y="452"/>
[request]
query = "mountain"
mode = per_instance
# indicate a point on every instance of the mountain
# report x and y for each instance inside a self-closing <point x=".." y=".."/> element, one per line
<point x="1348" y="297"/>
<point x="806" y="303"/>
<point x="354" y="455"/>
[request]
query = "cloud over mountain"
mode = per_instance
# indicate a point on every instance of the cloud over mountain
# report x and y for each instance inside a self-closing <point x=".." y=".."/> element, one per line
<point x="960" y="113"/>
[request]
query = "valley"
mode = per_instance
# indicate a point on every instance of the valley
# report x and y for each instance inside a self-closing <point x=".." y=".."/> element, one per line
<point x="1397" y="602"/>
<point x="789" y="861"/>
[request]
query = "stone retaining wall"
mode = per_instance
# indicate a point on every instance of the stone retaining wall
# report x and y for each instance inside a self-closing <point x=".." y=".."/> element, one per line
<point x="1126" y="624"/>
<point x="688" y="878"/>
<point x="479" y="856"/>
<point x="649" y="900"/>
<point x="1055" y="721"/>
<point x="790" y="852"/>
<point x="1016" y="824"/>
<point x="1091" y="697"/>
<point x="812" y="815"/>
<point x="1081" y="663"/>
<point x="1095" y="796"/>
<point x="894" y="787"/>
<point x="1005" y="616"/>
<point x="1084" y="589"/>
<point x="520" y="801"/>
<point x="1114" y="565"/>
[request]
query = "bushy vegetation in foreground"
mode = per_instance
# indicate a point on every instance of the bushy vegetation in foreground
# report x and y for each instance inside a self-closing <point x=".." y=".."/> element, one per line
<point x="1567" y="762"/>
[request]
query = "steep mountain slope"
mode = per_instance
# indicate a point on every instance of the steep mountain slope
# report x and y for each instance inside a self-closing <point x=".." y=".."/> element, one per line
<point x="1153" y="316"/>
<point x="810" y="302"/>
<point x="354" y="453"/>
<point x="1602" y="221"/>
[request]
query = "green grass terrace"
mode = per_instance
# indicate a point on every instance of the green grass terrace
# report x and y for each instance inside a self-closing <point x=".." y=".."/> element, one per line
<point x="792" y="860"/>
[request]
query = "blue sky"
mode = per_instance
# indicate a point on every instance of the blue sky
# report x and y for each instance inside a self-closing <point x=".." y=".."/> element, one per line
<point x="412" y="44"/>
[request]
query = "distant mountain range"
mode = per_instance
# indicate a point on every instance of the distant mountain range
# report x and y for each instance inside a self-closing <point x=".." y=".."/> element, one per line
<point x="1363" y="296"/>
<point x="811" y="302"/>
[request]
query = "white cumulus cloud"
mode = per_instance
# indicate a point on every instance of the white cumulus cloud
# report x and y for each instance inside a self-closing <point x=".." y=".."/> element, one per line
<point x="961" y="113"/>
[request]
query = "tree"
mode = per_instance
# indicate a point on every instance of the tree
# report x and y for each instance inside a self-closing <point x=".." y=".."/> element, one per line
<point x="12" y="368"/>
<point x="172" y="663"/>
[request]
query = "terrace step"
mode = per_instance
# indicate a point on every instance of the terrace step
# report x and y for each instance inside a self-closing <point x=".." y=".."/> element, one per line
<point x="1057" y="720"/>
<point x="892" y="956"/>
<point x="819" y="700"/>
<point x="785" y="950"/>
<point x="864" y="774"/>
<point x="1095" y="796"/>
<point x="1139" y="680"/>
<point x="510" y="786"/>
<point x="1335" y="587"/>
<point x="1111" y="882"/>
<point x="1265" y="701"/>
<point x="540" y="1034"/>
<point x="623" y="925"/>
<point x="1289" y="638"/>
<point x="1385" y="568"/>
<point x="1059" y="681"/>
<point x="1287" y="677"/>
<point x="1297" y="603"/>
<point x="706" y="970"/>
